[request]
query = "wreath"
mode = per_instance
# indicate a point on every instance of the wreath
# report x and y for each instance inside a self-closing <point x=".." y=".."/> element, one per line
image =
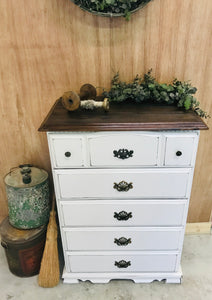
<point x="112" y="8"/>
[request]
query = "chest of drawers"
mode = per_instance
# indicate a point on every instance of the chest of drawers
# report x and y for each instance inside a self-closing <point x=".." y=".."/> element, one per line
<point x="122" y="197"/>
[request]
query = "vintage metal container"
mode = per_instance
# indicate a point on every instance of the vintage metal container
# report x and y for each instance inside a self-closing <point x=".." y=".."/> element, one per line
<point x="27" y="191"/>
<point x="23" y="248"/>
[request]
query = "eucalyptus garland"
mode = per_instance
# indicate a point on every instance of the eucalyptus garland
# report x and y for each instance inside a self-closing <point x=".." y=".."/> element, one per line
<point x="148" y="90"/>
<point x="123" y="7"/>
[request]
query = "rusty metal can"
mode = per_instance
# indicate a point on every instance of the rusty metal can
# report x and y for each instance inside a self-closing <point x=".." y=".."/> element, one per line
<point x="23" y="248"/>
<point x="27" y="190"/>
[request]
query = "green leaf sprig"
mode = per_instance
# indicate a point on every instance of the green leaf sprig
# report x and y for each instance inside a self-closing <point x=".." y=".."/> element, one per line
<point x="148" y="90"/>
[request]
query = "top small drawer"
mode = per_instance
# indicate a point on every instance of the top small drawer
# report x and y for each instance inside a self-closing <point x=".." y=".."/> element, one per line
<point x="124" y="149"/>
<point x="180" y="149"/>
<point x="67" y="150"/>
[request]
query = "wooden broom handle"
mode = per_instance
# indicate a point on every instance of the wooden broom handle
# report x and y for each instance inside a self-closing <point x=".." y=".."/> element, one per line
<point x="53" y="202"/>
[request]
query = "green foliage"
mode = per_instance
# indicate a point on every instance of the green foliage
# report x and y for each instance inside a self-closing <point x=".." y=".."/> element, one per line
<point x="111" y="6"/>
<point x="148" y="90"/>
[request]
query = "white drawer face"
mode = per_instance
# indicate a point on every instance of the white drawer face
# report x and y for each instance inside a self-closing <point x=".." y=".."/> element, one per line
<point x="180" y="150"/>
<point x="117" y="239"/>
<point x="67" y="151"/>
<point x="146" y="183"/>
<point x="123" y="262"/>
<point x="124" y="149"/>
<point x="123" y="213"/>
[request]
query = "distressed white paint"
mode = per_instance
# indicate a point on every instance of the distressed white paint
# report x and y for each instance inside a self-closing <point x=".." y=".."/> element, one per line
<point x="101" y="212"/>
<point x="144" y="146"/>
<point x="141" y="239"/>
<point x="184" y="143"/>
<point x="146" y="183"/>
<point x="105" y="261"/>
<point x="158" y="202"/>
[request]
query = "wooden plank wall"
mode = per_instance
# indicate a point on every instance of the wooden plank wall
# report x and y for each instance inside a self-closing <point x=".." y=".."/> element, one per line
<point x="51" y="46"/>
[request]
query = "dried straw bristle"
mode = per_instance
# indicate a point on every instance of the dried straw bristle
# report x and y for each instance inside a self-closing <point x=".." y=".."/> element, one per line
<point x="49" y="275"/>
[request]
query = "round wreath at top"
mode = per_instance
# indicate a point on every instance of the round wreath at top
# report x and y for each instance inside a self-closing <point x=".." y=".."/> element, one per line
<point x="111" y="8"/>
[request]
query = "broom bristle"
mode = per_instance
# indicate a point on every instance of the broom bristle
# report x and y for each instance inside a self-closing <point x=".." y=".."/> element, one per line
<point x="49" y="274"/>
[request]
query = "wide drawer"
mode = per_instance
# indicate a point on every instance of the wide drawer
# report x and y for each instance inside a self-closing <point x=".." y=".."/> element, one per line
<point x="121" y="262"/>
<point x="123" y="149"/>
<point x="109" y="183"/>
<point x="123" y="212"/>
<point x="134" y="238"/>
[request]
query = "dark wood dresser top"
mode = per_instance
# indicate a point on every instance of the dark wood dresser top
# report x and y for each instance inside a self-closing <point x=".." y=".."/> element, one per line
<point x="121" y="117"/>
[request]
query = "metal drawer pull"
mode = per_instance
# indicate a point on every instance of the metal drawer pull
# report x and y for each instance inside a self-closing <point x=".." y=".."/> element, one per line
<point x="122" y="264"/>
<point x="123" y="186"/>
<point x="67" y="154"/>
<point x="4" y="245"/>
<point x="123" y="153"/>
<point x="122" y="241"/>
<point x="122" y="215"/>
<point x="178" y="153"/>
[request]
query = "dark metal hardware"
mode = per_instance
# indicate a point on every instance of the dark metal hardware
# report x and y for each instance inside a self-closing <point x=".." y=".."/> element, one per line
<point x="178" y="153"/>
<point x="122" y="241"/>
<point x="26" y="178"/>
<point x="123" y="186"/>
<point x="122" y="215"/>
<point x="25" y="165"/>
<point x="25" y="171"/>
<point x="122" y="264"/>
<point x="67" y="153"/>
<point x="123" y="153"/>
<point x="4" y="245"/>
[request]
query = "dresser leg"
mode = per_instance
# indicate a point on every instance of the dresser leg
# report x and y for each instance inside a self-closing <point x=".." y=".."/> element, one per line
<point x="69" y="280"/>
<point x="174" y="280"/>
<point x="101" y="280"/>
<point x="92" y="280"/>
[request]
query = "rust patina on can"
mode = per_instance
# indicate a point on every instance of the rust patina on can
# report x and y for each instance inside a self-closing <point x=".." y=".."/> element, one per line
<point x="23" y="248"/>
<point x="28" y="196"/>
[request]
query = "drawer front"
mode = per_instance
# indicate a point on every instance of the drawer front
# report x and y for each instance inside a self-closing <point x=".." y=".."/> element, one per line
<point x="67" y="151"/>
<point x="180" y="150"/>
<point x="123" y="213"/>
<point x="134" y="238"/>
<point x="129" y="149"/>
<point x="121" y="262"/>
<point x="152" y="183"/>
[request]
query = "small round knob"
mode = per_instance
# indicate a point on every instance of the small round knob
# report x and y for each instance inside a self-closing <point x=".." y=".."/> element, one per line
<point x="67" y="154"/>
<point x="178" y="153"/>
<point x="26" y="178"/>
<point x="25" y="169"/>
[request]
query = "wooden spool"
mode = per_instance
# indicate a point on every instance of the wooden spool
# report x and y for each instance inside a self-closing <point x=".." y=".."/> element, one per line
<point x="91" y="104"/>
<point x="70" y="100"/>
<point x="87" y="91"/>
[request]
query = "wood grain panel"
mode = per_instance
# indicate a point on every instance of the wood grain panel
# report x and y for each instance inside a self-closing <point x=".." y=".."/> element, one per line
<point x="51" y="46"/>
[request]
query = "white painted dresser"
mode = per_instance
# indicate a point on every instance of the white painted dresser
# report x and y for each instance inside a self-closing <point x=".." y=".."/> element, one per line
<point x="122" y="195"/>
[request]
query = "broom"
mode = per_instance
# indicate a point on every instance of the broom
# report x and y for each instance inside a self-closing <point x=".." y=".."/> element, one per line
<point x="49" y="274"/>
